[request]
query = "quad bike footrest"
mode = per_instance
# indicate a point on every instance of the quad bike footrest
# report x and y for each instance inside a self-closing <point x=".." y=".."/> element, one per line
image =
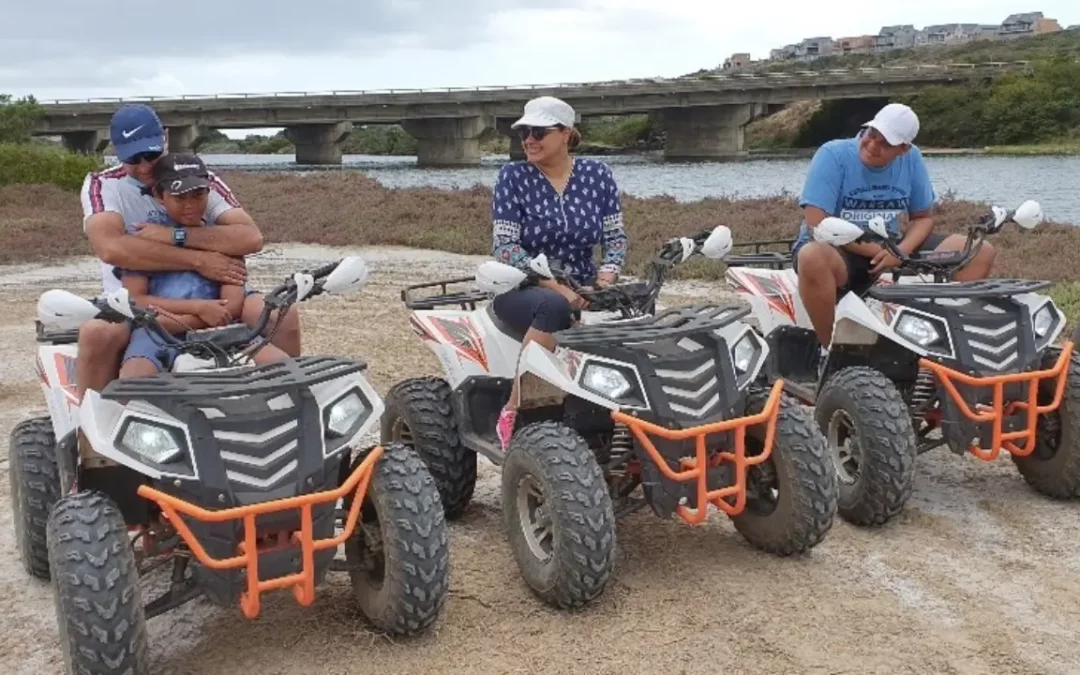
<point x="248" y="551"/>
<point x="697" y="468"/>
<point x="1001" y="410"/>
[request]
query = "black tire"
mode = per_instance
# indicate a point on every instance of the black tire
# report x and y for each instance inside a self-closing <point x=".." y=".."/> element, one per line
<point x="576" y="565"/>
<point x="99" y="606"/>
<point x="35" y="488"/>
<point x="400" y="585"/>
<point x="799" y="469"/>
<point x="886" y="444"/>
<point x="421" y="409"/>
<point x="1053" y="469"/>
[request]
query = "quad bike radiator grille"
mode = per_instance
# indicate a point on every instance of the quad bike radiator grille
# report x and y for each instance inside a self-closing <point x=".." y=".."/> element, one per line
<point x="259" y="447"/>
<point x="690" y="376"/>
<point x="991" y="333"/>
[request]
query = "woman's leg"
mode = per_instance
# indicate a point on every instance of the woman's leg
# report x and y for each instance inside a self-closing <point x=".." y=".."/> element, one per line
<point x="545" y="312"/>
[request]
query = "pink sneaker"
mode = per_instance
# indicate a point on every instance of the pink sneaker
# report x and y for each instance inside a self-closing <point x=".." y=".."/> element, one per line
<point x="505" y="427"/>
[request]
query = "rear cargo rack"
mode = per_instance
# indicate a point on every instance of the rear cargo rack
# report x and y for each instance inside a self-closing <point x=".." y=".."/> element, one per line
<point x="466" y="299"/>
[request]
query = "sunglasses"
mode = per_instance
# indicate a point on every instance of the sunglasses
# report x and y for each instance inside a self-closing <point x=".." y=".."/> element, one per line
<point x="538" y="133"/>
<point x="141" y="157"/>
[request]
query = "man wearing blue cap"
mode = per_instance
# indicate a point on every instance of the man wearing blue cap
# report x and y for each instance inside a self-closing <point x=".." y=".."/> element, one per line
<point x="116" y="199"/>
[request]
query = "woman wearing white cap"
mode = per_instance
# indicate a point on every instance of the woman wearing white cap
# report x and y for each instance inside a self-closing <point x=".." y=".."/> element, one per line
<point x="563" y="207"/>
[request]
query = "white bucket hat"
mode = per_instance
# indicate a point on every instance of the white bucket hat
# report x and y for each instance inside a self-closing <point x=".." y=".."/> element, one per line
<point x="546" y="111"/>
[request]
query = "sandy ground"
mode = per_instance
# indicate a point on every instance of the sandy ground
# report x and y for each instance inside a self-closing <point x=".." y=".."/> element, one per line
<point x="979" y="575"/>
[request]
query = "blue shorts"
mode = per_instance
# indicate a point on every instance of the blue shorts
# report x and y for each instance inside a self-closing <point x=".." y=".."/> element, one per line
<point x="143" y="345"/>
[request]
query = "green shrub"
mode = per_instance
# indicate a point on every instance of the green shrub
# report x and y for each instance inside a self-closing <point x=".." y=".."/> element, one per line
<point x="24" y="163"/>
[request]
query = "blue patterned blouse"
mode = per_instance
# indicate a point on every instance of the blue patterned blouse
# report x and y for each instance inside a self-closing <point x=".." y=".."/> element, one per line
<point x="531" y="218"/>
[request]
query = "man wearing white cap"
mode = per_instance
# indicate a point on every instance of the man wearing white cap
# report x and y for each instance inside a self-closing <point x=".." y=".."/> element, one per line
<point x="878" y="173"/>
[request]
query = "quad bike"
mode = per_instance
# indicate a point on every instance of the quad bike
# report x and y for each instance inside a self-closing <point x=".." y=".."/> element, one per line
<point x="670" y="402"/>
<point x="917" y="352"/>
<point x="230" y="471"/>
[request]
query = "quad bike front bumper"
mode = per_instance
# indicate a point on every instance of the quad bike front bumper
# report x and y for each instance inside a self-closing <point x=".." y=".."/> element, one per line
<point x="250" y="549"/>
<point x="697" y="468"/>
<point x="1001" y="412"/>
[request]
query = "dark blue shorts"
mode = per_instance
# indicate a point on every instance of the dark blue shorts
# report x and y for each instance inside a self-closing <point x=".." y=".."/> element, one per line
<point x="536" y="307"/>
<point x="859" y="278"/>
<point x="145" y="346"/>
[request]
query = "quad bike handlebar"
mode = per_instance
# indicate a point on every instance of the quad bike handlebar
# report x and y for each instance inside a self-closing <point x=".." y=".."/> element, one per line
<point x="225" y="344"/>
<point x="942" y="265"/>
<point x="635" y="298"/>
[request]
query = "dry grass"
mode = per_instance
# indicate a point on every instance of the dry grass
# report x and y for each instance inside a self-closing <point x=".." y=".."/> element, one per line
<point x="42" y="222"/>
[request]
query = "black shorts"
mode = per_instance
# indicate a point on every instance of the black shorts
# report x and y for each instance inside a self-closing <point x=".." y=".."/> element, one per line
<point x="859" y="278"/>
<point x="536" y="307"/>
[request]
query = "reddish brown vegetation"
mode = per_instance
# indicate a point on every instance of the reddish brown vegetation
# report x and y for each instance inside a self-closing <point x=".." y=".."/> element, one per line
<point x="42" y="222"/>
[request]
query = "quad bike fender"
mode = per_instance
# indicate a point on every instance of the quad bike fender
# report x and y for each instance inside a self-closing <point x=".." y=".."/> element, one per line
<point x="56" y="371"/>
<point x="467" y="343"/>
<point x="773" y="296"/>
<point x="856" y="324"/>
<point x="563" y="369"/>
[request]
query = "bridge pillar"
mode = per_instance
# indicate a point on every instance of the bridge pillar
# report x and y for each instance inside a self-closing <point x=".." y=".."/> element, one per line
<point x="86" y="142"/>
<point x="707" y="132"/>
<point x="447" y="141"/>
<point x="318" y="143"/>
<point x="503" y="125"/>
<point x="186" y="138"/>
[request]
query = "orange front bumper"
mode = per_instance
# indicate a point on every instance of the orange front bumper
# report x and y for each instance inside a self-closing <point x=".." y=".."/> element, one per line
<point x="697" y="469"/>
<point x="303" y="582"/>
<point x="1001" y="439"/>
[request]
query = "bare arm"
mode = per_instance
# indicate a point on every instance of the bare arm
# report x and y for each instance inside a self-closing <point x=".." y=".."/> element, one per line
<point x="236" y="234"/>
<point x="137" y="286"/>
<point x="233" y="296"/>
<point x="920" y="225"/>
<point x="114" y="246"/>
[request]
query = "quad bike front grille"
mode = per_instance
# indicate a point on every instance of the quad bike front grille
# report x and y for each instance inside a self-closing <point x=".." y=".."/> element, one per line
<point x="689" y="375"/>
<point x="258" y="440"/>
<point x="991" y="333"/>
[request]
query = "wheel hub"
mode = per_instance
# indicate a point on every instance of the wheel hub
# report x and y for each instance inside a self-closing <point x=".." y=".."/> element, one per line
<point x="844" y="447"/>
<point x="535" y="518"/>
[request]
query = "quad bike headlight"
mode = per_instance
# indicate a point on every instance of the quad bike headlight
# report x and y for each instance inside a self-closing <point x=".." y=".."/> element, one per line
<point x="343" y="415"/>
<point x="1043" y="320"/>
<point x="742" y="354"/>
<point x="154" y="442"/>
<point x="924" y="331"/>
<point x="607" y="382"/>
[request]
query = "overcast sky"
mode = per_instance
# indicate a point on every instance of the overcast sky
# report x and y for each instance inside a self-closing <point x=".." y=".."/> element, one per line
<point x="73" y="48"/>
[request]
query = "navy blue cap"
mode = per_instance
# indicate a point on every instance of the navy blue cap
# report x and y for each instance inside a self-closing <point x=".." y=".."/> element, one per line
<point x="136" y="128"/>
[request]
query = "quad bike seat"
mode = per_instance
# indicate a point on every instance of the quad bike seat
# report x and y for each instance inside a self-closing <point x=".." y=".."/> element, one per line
<point x="504" y="328"/>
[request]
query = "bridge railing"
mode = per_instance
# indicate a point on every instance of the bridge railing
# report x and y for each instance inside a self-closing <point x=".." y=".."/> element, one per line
<point x="734" y="76"/>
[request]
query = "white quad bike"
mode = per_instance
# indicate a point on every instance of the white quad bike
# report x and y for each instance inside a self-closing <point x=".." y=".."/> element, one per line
<point x="230" y="471"/>
<point x="917" y="352"/>
<point x="672" y="403"/>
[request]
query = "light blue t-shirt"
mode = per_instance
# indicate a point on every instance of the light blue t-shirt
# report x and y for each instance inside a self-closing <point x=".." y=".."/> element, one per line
<point x="840" y="184"/>
<point x="175" y="285"/>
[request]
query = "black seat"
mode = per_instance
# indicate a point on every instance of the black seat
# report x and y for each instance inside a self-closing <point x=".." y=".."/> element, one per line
<point x="505" y="328"/>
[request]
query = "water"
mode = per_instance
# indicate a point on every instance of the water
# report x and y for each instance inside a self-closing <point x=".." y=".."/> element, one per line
<point x="1007" y="181"/>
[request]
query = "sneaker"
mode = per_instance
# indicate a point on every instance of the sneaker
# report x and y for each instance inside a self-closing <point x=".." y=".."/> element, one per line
<point x="505" y="427"/>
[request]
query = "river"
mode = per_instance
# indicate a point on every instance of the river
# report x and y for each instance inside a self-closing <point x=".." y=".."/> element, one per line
<point x="1007" y="181"/>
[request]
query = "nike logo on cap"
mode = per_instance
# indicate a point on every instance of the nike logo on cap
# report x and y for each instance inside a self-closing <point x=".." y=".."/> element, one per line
<point x="128" y="134"/>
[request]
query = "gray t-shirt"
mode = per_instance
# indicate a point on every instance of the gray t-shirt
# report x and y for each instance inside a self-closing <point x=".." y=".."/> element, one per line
<point x="113" y="190"/>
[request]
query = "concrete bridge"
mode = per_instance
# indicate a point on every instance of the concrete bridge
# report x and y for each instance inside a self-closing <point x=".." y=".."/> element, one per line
<point x="703" y="116"/>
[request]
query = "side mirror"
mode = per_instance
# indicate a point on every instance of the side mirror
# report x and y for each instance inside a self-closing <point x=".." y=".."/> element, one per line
<point x="1028" y="215"/>
<point x="65" y="310"/>
<point x="877" y="226"/>
<point x="539" y="264"/>
<point x="350" y="274"/>
<point x="495" y="277"/>
<point x="718" y="244"/>
<point x="837" y="231"/>
<point x="120" y="301"/>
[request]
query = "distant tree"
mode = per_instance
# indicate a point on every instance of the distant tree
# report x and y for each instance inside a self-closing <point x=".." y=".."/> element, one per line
<point x="17" y="118"/>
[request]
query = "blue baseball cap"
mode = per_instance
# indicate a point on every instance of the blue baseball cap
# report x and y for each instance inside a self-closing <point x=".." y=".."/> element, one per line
<point x="136" y="128"/>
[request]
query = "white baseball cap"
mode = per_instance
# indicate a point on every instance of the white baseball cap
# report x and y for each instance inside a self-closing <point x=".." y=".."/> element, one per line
<point x="546" y="111"/>
<point x="897" y="123"/>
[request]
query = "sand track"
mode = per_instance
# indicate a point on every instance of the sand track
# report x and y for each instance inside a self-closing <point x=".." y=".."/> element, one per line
<point x="979" y="575"/>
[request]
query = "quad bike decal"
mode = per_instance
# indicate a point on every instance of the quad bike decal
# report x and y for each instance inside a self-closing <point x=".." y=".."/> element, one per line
<point x="65" y="372"/>
<point x="462" y="335"/>
<point x="572" y="360"/>
<point x="770" y="287"/>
